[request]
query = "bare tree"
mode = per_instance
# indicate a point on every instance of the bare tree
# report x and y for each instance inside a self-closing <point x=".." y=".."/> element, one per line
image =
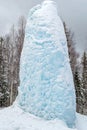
<point x="73" y="55"/>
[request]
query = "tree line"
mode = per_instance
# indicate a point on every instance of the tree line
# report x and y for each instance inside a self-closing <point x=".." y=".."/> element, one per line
<point x="10" y="51"/>
<point x="79" y="71"/>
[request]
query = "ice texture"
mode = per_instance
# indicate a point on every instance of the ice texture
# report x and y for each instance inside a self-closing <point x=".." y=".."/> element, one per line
<point x="46" y="88"/>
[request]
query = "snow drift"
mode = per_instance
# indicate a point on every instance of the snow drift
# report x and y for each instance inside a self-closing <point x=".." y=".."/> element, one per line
<point x="14" y="118"/>
<point x="46" y="88"/>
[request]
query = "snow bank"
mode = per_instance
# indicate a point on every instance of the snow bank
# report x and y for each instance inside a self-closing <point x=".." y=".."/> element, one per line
<point x="14" y="118"/>
<point x="81" y="122"/>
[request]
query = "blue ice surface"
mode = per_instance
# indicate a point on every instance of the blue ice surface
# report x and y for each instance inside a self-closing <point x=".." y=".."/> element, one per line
<point x="46" y="89"/>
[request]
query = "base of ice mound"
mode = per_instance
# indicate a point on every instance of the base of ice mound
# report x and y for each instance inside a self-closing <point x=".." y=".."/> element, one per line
<point x="46" y="82"/>
<point x="14" y="118"/>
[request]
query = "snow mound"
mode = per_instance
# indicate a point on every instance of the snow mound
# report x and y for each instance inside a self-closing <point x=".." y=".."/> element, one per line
<point x="14" y="118"/>
<point x="46" y="89"/>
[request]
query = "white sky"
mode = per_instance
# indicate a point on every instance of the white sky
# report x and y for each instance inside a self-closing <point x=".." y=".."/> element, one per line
<point x="73" y="12"/>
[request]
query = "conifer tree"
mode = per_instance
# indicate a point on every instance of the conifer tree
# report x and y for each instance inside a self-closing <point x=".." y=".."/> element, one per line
<point x="3" y="76"/>
<point x="77" y="81"/>
<point x="84" y="83"/>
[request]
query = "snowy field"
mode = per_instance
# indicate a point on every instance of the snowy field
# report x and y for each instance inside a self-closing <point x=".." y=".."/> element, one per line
<point x="14" y="118"/>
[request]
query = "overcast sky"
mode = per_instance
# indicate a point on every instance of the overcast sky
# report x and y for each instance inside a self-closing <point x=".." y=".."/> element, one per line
<point x="73" y="12"/>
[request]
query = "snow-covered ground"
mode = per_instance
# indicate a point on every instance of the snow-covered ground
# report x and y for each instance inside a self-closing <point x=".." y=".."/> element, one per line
<point x="14" y="118"/>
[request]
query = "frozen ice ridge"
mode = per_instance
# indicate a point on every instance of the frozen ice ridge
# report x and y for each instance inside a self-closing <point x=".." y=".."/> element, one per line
<point x="46" y="89"/>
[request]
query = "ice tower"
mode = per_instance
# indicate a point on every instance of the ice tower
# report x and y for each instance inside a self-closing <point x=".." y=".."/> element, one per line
<point x="46" y="89"/>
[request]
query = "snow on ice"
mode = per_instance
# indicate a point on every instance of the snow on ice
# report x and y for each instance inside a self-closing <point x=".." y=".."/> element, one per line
<point x="46" y="88"/>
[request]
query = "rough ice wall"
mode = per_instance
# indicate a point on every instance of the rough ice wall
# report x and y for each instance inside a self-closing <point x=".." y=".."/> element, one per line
<point x="46" y="88"/>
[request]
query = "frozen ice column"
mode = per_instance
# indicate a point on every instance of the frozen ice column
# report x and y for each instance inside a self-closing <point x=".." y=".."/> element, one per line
<point x="46" y="89"/>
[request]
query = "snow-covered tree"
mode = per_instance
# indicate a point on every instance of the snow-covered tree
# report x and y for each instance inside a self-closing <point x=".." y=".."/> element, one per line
<point x="84" y="83"/>
<point x="4" y="93"/>
<point x="78" y="86"/>
<point x="14" y="43"/>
